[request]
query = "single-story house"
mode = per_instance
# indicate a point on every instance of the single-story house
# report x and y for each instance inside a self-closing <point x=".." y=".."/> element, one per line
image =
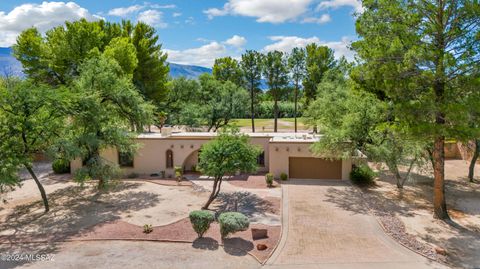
<point x="281" y="153"/>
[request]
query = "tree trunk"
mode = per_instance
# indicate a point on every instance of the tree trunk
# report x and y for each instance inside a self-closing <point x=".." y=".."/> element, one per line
<point x="439" y="203"/>
<point x="295" y="101"/>
<point x="275" y="115"/>
<point x="252" y="108"/>
<point x="217" y="182"/>
<point x="40" y="187"/>
<point x="476" y="153"/>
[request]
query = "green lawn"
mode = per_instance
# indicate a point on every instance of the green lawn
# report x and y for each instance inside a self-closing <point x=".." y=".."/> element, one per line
<point x="284" y="124"/>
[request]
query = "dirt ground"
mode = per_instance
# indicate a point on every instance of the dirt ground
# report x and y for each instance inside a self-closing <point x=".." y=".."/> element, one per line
<point x="413" y="206"/>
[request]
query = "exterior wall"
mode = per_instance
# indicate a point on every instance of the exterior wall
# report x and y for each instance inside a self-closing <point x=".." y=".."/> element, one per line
<point x="280" y="152"/>
<point x="151" y="155"/>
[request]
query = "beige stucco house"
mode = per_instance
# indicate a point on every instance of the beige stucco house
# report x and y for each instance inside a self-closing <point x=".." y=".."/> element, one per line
<point x="281" y="153"/>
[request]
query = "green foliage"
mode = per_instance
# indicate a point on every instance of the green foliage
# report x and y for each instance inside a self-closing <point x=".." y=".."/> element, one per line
<point x="276" y="75"/>
<point x="362" y="175"/>
<point x="147" y="228"/>
<point x="61" y="166"/>
<point x="319" y="60"/>
<point x="283" y="176"/>
<point x="123" y="52"/>
<point x="178" y="172"/>
<point x="107" y="107"/>
<point x="228" y="153"/>
<point x="201" y="220"/>
<point x="227" y="69"/>
<point x="269" y="179"/>
<point x="232" y="222"/>
<point x="251" y="66"/>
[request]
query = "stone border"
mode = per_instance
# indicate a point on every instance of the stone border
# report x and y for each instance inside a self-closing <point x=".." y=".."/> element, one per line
<point x="284" y="216"/>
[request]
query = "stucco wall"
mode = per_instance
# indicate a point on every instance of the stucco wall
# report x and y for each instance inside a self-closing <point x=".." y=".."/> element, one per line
<point x="280" y="152"/>
<point x="151" y="154"/>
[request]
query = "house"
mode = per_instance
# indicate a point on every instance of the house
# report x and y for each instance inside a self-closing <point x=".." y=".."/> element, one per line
<point x="281" y="153"/>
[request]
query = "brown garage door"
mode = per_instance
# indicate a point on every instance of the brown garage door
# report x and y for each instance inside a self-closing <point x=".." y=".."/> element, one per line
<point x="315" y="168"/>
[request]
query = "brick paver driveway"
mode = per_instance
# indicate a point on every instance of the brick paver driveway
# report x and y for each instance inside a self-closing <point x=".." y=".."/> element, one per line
<point x="327" y="226"/>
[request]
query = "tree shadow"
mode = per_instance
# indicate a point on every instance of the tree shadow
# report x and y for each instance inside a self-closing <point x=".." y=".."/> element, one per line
<point x="205" y="243"/>
<point x="74" y="210"/>
<point x="237" y="246"/>
<point x="244" y="202"/>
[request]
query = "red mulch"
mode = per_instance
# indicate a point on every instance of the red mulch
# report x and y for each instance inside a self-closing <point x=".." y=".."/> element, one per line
<point x="251" y="181"/>
<point x="182" y="231"/>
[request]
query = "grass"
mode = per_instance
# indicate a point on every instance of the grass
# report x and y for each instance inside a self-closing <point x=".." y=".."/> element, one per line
<point x="284" y="124"/>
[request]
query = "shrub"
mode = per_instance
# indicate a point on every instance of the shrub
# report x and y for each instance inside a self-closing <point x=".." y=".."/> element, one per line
<point x="178" y="173"/>
<point x="269" y="179"/>
<point x="147" y="228"/>
<point x="362" y="175"/>
<point x="283" y="176"/>
<point x="201" y="220"/>
<point x="231" y="222"/>
<point x="61" y="166"/>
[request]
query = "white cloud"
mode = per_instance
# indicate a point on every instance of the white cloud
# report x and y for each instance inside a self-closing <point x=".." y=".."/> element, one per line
<point x="321" y="20"/>
<point x="273" y="11"/>
<point x="152" y="17"/>
<point x="176" y="14"/>
<point x="44" y="16"/>
<point x="202" y="56"/>
<point x="124" y="11"/>
<point x="162" y="6"/>
<point x="236" y="41"/>
<point x="356" y="4"/>
<point x="287" y="43"/>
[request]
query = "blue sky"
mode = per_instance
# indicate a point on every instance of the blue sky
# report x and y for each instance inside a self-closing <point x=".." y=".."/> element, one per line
<point x="198" y="31"/>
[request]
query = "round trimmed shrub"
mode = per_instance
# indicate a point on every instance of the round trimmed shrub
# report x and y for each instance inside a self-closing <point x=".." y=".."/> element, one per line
<point x="61" y="166"/>
<point x="269" y="179"/>
<point x="232" y="222"/>
<point x="283" y="176"/>
<point x="362" y="175"/>
<point x="201" y="220"/>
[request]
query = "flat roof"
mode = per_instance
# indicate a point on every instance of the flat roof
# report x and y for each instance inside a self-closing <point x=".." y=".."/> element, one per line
<point x="274" y="137"/>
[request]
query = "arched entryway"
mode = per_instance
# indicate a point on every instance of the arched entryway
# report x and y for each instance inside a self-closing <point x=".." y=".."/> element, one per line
<point x="191" y="162"/>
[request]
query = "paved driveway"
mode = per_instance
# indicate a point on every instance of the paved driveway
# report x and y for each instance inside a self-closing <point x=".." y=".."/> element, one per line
<point x="326" y="226"/>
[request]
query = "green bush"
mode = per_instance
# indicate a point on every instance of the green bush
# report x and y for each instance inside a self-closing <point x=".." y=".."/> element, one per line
<point x="231" y="222"/>
<point x="269" y="179"/>
<point x="61" y="166"/>
<point x="201" y="220"/>
<point x="362" y="175"/>
<point x="283" y="176"/>
<point x="178" y="173"/>
<point x="147" y="228"/>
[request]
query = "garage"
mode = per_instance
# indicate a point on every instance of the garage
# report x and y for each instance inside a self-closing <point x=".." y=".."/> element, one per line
<point x="314" y="168"/>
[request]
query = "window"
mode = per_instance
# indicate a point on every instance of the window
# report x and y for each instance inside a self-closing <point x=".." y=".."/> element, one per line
<point x="125" y="159"/>
<point x="169" y="158"/>
<point x="261" y="159"/>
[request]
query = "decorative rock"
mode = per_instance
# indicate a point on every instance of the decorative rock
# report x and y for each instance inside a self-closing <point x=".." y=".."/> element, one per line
<point x="261" y="247"/>
<point x="259" y="233"/>
<point x="440" y="251"/>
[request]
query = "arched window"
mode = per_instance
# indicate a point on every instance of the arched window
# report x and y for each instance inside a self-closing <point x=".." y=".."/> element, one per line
<point x="169" y="158"/>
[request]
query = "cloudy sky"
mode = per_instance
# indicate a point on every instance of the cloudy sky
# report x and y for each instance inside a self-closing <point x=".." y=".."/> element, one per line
<point x="198" y="31"/>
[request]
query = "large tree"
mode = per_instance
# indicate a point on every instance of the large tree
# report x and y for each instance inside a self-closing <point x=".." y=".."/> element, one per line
<point x="276" y="75"/>
<point x="227" y="69"/>
<point x="251" y="65"/>
<point x="227" y="154"/>
<point x="319" y="59"/>
<point x="107" y="109"/>
<point x="296" y="64"/>
<point x="410" y="54"/>
<point x="32" y="118"/>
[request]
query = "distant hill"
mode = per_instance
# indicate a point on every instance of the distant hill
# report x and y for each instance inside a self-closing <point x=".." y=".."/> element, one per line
<point x="10" y="66"/>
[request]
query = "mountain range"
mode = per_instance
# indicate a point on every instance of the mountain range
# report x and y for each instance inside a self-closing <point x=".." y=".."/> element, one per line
<point x="10" y="66"/>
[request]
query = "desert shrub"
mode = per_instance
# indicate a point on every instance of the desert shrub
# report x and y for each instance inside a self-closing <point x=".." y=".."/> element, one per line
<point x="61" y="166"/>
<point x="362" y="175"/>
<point x="201" y="220"/>
<point x="269" y="179"/>
<point x="178" y="173"/>
<point x="232" y="222"/>
<point x="147" y="228"/>
<point x="283" y="176"/>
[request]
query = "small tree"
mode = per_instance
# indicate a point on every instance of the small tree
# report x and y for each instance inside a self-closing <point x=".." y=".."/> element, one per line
<point x="228" y="153"/>
<point x="31" y="120"/>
